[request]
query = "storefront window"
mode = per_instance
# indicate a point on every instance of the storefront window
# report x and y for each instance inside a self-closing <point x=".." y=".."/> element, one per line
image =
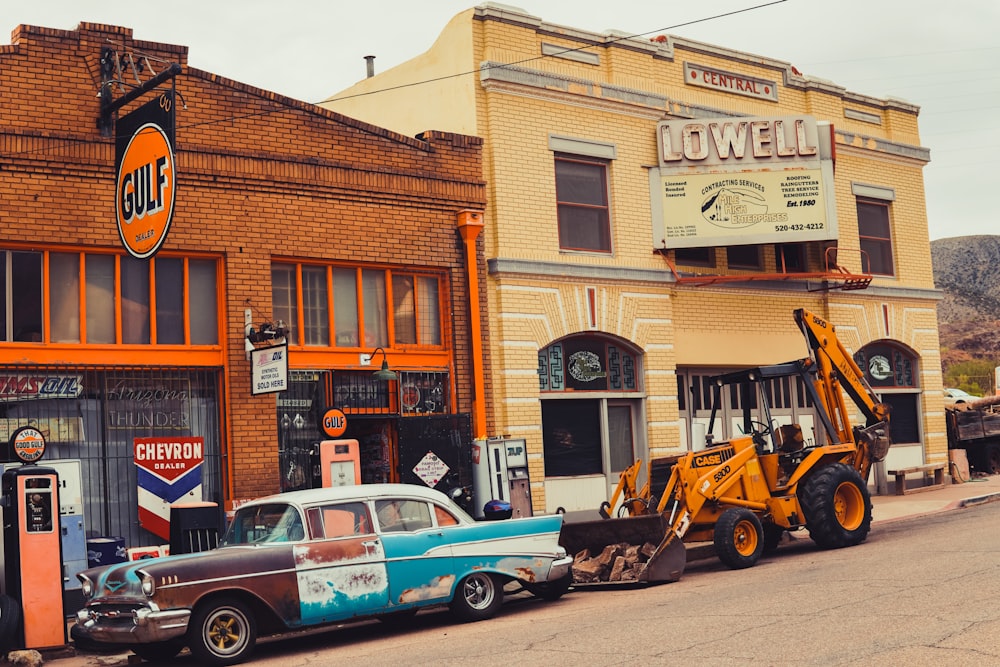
<point x="316" y="322"/>
<point x="345" y="306"/>
<point x="373" y="288"/>
<point x="22" y="296"/>
<point x="284" y="302"/>
<point x="170" y="301"/>
<point x="100" y="298"/>
<point x="185" y="290"/>
<point x="410" y="302"/>
<point x="96" y="415"/>
<point x="64" y="297"/>
<point x="203" y="299"/>
<point x="135" y="301"/>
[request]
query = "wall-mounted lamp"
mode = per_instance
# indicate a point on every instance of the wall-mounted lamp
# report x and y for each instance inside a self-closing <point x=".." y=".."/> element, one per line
<point x="383" y="374"/>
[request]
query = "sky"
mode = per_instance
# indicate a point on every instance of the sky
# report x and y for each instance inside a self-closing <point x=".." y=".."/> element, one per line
<point x="935" y="55"/>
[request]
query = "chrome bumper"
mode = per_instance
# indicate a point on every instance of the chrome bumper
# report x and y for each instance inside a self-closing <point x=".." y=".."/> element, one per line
<point x="560" y="568"/>
<point x="142" y="626"/>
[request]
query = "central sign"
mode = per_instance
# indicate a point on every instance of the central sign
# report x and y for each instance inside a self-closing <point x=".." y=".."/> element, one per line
<point x="145" y="182"/>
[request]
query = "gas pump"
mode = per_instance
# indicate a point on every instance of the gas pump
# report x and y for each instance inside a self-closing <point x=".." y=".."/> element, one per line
<point x="340" y="462"/>
<point x="500" y="472"/>
<point x="32" y="544"/>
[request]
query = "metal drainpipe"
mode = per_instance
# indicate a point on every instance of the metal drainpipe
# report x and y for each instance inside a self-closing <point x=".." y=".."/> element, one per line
<point x="470" y="224"/>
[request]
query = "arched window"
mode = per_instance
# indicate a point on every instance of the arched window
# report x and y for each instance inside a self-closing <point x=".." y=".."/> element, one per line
<point x="587" y="363"/>
<point x="891" y="370"/>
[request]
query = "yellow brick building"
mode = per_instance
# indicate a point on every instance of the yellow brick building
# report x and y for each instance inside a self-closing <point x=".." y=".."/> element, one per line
<point x="607" y="308"/>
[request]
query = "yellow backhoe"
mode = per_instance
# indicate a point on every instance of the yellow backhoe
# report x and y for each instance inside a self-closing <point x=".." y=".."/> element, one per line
<point x="743" y="494"/>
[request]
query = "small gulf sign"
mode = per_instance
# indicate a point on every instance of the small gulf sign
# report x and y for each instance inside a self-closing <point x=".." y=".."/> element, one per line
<point x="28" y="444"/>
<point x="334" y="422"/>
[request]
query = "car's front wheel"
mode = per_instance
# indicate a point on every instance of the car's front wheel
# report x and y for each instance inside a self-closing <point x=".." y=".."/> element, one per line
<point x="477" y="597"/>
<point x="223" y="631"/>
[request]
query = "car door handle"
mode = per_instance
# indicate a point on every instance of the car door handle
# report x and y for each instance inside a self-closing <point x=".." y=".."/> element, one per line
<point x="369" y="546"/>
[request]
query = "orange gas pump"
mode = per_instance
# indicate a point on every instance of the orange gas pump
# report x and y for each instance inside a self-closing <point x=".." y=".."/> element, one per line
<point x="32" y="545"/>
<point x="340" y="462"/>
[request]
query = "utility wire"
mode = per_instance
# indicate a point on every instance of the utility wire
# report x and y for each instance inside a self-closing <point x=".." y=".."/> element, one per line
<point x="557" y="53"/>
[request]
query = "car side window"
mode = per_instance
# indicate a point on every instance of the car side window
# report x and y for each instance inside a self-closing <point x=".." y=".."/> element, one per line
<point x="340" y="520"/>
<point x="400" y="515"/>
<point x="444" y="517"/>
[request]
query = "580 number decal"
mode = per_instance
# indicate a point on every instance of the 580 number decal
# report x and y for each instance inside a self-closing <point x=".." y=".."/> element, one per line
<point x="721" y="473"/>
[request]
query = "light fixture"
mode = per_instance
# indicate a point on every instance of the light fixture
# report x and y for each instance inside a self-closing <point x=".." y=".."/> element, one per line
<point x="383" y="373"/>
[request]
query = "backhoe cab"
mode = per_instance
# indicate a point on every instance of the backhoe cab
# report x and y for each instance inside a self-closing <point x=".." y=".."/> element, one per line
<point x="743" y="494"/>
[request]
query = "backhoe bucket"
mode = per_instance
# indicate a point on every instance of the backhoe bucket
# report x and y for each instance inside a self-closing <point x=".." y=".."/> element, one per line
<point x="666" y="563"/>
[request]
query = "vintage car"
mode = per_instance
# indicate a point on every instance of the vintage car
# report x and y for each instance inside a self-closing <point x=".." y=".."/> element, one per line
<point x="307" y="558"/>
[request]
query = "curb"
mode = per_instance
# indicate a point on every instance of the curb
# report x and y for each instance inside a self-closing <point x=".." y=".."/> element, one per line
<point x="977" y="500"/>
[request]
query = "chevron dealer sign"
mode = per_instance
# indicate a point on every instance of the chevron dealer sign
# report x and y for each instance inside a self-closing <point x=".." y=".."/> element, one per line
<point x="168" y="471"/>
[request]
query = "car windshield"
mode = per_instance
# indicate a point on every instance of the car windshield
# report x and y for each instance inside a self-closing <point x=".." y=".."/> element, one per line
<point x="276" y="522"/>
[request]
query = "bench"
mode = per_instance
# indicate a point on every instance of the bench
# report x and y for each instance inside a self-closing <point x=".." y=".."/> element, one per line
<point x="937" y="469"/>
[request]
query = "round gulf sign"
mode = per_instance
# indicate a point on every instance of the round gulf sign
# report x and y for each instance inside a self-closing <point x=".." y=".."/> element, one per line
<point x="144" y="191"/>
<point x="28" y="444"/>
<point x="334" y="422"/>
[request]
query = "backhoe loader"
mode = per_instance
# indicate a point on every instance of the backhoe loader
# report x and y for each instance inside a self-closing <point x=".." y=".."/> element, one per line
<point x="742" y="495"/>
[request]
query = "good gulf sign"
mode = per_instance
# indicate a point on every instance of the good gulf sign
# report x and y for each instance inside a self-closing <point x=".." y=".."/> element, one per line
<point x="146" y="179"/>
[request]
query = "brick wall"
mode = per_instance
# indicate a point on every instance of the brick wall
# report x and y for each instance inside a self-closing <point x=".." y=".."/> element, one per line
<point x="259" y="176"/>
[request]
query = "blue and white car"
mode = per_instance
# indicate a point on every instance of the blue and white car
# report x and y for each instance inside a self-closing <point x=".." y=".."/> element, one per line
<point x="308" y="558"/>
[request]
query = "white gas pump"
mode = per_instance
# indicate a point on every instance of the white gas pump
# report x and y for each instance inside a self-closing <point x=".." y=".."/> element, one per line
<point x="500" y="472"/>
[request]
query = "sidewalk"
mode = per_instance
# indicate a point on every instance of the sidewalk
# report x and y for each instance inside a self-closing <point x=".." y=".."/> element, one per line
<point x="951" y="496"/>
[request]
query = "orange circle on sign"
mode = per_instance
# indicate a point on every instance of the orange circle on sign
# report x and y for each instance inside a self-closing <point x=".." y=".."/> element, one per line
<point x="334" y="422"/>
<point x="144" y="191"/>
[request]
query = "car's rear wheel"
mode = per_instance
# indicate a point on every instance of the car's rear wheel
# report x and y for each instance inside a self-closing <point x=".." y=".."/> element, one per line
<point x="223" y="631"/>
<point x="477" y="597"/>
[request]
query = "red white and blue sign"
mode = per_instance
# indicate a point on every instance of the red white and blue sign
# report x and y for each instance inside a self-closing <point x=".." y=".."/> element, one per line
<point x="168" y="471"/>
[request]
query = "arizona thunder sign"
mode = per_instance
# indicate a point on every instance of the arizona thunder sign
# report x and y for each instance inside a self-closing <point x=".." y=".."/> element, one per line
<point x="168" y="471"/>
<point x="146" y="180"/>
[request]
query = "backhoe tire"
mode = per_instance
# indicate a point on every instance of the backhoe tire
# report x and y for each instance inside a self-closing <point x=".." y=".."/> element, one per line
<point x="739" y="538"/>
<point x="837" y="506"/>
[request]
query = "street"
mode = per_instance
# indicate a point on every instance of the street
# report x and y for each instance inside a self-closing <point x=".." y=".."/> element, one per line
<point x="921" y="591"/>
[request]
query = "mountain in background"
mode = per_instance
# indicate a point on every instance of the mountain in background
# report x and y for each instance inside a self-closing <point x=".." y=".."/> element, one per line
<point x="967" y="270"/>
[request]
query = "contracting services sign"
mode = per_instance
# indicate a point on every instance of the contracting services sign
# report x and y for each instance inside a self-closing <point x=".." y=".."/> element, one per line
<point x="738" y="181"/>
<point x="146" y="179"/>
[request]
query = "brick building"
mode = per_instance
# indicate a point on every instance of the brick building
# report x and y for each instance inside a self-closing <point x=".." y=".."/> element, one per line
<point x="658" y="208"/>
<point x="353" y="243"/>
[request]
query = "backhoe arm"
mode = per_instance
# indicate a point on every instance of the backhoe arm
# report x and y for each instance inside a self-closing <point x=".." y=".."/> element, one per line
<point x="830" y="355"/>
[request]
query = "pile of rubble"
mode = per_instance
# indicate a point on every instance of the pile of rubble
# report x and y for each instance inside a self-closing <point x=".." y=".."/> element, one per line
<point x="618" y="562"/>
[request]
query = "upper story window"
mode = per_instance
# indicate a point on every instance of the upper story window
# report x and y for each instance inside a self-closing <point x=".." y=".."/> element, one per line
<point x="744" y="257"/>
<point x="362" y="307"/>
<point x="790" y="257"/>
<point x="107" y="299"/>
<point x="582" y="199"/>
<point x="875" y="234"/>
<point x="695" y="256"/>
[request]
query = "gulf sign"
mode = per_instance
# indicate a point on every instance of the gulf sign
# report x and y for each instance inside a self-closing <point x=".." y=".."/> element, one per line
<point x="146" y="179"/>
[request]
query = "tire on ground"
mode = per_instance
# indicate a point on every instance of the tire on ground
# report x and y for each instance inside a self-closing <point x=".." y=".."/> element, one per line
<point x="837" y="506"/>
<point x="478" y="596"/>
<point x="222" y="631"/>
<point x="739" y="538"/>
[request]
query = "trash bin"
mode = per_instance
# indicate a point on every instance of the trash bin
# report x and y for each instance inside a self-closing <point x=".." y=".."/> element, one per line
<point x="105" y="551"/>
<point x="194" y="527"/>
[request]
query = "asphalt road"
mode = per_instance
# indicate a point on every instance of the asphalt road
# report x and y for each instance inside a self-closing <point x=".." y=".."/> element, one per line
<point x="923" y="591"/>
